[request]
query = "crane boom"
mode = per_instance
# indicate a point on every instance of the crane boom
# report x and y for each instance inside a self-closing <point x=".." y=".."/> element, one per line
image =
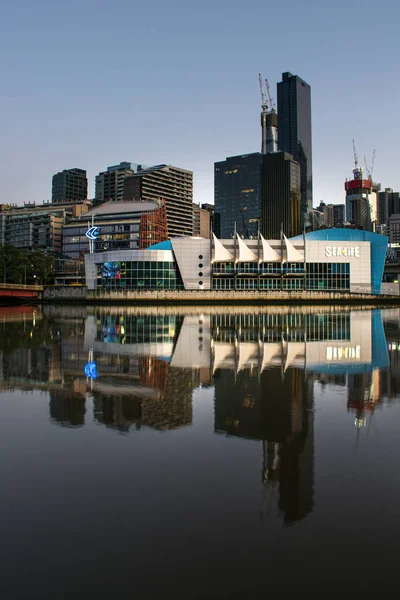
<point x="355" y="155"/>
<point x="263" y="98"/>
<point x="367" y="169"/>
<point x="373" y="162"/>
<point x="271" y="101"/>
<point x="370" y="170"/>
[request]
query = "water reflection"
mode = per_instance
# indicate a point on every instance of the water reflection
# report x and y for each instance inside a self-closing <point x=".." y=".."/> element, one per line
<point x="263" y="365"/>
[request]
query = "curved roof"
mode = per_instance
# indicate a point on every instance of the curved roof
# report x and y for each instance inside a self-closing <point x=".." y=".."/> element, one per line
<point x="378" y="245"/>
<point x="114" y="208"/>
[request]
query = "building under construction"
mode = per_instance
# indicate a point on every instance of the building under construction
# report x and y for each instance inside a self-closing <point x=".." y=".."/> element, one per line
<point x="361" y="197"/>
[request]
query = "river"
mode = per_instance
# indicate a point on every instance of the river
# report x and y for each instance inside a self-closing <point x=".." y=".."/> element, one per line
<point x="198" y="452"/>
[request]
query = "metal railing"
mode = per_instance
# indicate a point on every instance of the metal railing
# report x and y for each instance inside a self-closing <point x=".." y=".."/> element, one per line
<point x="20" y="286"/>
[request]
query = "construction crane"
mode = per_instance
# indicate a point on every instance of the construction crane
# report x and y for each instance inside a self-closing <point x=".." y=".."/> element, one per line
<point x="371" y="170"/>
<point x="355" y="155"/>
<point x="264" y="104"/>
<point x="270" y="99"/>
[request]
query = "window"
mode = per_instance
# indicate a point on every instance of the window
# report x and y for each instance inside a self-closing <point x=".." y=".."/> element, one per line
<point x="328" y="276"/>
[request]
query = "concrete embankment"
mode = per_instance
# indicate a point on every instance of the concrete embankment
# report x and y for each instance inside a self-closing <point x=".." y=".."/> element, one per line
<point x="70" y="295"/>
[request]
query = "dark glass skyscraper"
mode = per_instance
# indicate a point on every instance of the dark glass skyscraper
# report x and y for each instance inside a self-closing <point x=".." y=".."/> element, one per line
<point x="294" y="131"/>
<point x="280" y="192"/>
<point x="237" y="194"/>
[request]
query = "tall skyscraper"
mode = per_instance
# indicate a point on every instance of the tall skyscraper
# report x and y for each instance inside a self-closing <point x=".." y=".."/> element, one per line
<point x="165" y="182"/>
<point x="110" y="183"/>
<point x="69" y="185"/>
<point x="294" y="131"/>
<point x="280" y="192"/>
<point x="237" y="194"/>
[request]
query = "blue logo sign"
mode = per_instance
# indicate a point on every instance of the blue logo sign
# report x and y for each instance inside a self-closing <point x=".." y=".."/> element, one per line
<point x="93" y="233"/>
<point x="91" y="370"/>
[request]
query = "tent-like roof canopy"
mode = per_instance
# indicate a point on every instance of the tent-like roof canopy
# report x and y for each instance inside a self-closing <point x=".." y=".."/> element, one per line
<point x="221" y="254"/>
<point x="269" y="254"/>
<point x="245" y="254"/>
<point x="292" y="255"/>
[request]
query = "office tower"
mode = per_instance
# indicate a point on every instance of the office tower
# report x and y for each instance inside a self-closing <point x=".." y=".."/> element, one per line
<point x="388" y="204"/>
<point x="339" y="215"/>
<point x="165" y="182"/>
<point x="69" y="185"/>
<point x="334" y="215"/>
<point x="237" y="194"/>
<point x="201" y="221"/>
<point x="215" y="218"/>
<point x="110" y="183"/>
<point x="281" y="196"/>
<point x="294" y="131"/>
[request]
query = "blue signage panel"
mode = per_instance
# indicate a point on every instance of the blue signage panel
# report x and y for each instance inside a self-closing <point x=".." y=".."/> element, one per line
<point x="91" y="370"/>
<point x="93" y="233"/>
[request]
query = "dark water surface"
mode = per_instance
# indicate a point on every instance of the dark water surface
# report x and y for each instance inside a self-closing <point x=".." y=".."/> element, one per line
<point x="199" y="453"/>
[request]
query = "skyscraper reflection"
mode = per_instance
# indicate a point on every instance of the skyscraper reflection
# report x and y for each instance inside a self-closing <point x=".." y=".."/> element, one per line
<point x="263" y="363"/>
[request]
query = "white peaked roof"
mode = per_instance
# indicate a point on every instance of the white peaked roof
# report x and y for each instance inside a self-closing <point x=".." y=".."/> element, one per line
<point x="221" y="254"/>
<point x="245" y="254"/>
<point x="248" y="355"/>
<point x="295" y="350"/>
<point x="269" y="254"/>
<point x="224" y="356"/>
<point x="292" y="255"/>
<point x="271" y="350"/>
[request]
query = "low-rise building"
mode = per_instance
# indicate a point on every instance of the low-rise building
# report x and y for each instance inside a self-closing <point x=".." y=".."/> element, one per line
<point x="38" y="227"/>
<point x="341" y="260"/>
<point x="122" y="226"/>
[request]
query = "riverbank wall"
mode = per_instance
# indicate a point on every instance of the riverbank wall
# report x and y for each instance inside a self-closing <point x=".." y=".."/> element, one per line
<point x="81" y="295"/>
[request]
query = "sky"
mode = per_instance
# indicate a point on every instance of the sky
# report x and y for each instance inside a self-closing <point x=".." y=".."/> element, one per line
<point x="91" y="83"/>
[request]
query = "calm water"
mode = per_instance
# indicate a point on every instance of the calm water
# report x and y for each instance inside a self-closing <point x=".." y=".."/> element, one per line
<point x="201" y="454"/>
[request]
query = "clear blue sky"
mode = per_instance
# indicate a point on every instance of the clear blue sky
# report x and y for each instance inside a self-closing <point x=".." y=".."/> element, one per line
<point x="90" y="83"/>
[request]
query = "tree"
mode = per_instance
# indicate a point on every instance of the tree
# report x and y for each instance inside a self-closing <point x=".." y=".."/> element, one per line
<point x="11" y="264"/>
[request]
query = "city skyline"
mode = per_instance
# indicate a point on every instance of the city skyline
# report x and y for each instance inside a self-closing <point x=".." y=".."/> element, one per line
<point x="166" y="98"/>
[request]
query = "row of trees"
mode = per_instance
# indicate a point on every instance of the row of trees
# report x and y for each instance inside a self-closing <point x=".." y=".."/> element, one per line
<point x="25" y="267"/>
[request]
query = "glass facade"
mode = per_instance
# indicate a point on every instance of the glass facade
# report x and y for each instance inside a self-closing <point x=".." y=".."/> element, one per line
<point x="237" y="194"/>
<point x="278" y="327"/>
<point x="139" y="275"/>
<point x="287" y="277"/>
<point x="328" y="276"/>
<point x="294" y="131"/>
<point x="132" y="329"/>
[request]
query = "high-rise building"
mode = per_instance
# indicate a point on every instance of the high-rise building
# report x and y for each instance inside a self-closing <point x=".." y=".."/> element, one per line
<point x="334" y="215"/>
<point x="201" y="222"/>
<point x="358" y="201"/>
<point x="237" y="194"/>
<point x="165" y="182"/>
<point x="394" y="230"/>
<point x="281" y="196"/>
<point x="339" y="215"/>
<point x="69" y="185"/>
<point x="110" y="183"/>
<point x="388" y="204"/>
<point x="294" y="131"/>
<point x="215" y="219"/>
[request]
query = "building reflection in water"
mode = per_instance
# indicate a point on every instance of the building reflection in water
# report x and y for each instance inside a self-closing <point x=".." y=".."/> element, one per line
<point x="263" y="364"/>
